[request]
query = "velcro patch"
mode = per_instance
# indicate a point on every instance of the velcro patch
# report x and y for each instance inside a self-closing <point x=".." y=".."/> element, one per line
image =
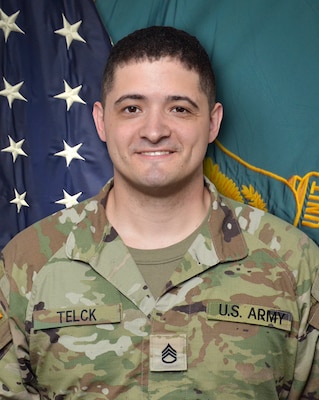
<point x="93" y="315"/>
<point x="250" y="314"/>
<point x="3" y="315"/>
<point x="5" y="335"/>
<point x="168" y="353"/>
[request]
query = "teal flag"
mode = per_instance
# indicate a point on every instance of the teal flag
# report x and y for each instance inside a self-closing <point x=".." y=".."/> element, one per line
<point x="266" y="57"/>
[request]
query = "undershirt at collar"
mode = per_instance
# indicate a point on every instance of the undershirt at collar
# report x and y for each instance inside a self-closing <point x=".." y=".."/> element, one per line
<point x="157" y="265"/>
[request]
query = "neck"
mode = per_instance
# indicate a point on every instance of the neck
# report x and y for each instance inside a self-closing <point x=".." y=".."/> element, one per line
<point x="148" y="222"/>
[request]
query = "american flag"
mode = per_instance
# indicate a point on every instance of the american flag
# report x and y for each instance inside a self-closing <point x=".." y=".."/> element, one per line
<point x="52" y="55"/>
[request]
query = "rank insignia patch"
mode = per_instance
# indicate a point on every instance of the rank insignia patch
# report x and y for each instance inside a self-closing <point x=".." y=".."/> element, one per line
<point x="168" y="353"/>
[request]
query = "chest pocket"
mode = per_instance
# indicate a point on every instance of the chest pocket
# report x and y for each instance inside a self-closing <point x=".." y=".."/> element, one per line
<point x="74" y="342"/>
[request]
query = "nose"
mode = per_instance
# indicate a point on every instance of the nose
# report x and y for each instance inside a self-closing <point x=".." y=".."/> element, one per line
<point x="156" y="126"/>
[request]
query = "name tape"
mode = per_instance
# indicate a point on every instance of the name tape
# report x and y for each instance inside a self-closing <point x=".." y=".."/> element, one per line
<point x="250" y="314"/>
<point x="94" y="315"/>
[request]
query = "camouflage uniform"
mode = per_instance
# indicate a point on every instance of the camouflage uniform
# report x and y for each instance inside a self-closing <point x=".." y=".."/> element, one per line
<point x="237" y="320"/>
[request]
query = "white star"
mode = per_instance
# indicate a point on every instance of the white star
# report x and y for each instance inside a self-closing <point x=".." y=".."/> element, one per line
<point x="8" y="25"/>
<point x="15" y="148"/>
<point x="69" y="200"/>
<point x="12" y="92"/>
<point x="19" y="200"/>
<point x="70" y="95"/>
<point x="70" y="153"/>
<point x="70" y="31"/>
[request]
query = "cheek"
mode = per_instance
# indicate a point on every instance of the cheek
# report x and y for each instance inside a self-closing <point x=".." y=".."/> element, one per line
<point x="198" y="148"/>
<point x="112" y="134"/>
<point x="113" y="149"/>
<point x="118" y="148"/>
<point x="199" y="138"/>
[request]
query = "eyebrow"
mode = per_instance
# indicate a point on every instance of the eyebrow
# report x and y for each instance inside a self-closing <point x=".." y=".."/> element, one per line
<point x="129" y="97"/>
<point x="169" y="99"/>
<point x="183" y="98"/>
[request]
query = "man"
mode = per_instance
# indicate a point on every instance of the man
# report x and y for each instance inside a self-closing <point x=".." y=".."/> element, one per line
<point x="158" y="287"/>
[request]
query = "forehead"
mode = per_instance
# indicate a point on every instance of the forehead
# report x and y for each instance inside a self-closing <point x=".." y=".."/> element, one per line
<point x="165" y="71"/>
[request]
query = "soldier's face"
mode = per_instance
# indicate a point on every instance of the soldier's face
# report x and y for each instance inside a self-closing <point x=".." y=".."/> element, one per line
<point x="157" y="125"/>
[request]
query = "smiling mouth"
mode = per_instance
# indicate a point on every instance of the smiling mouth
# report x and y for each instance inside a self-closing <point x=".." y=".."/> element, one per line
<point x="155" y="153"/>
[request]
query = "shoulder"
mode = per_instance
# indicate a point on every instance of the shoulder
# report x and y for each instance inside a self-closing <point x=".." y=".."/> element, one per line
<point x="262" y="229"/>
<point x="266" y="232"/>
<point x="35" y="245"/>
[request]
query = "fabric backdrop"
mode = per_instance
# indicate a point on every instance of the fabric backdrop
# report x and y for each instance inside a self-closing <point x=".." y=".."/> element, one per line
<point x="266" y="57"/>
<point x="52" y="54"/>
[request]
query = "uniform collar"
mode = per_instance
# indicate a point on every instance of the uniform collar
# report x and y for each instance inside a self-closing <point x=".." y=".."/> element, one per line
<point x="220" y="241"/>
<point x="94" y="241"/>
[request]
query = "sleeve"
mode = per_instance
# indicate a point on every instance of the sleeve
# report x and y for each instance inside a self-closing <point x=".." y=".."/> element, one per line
<point x="306" y="384"/>
<point x="11" y="384"/>
<point x="311" y="390"/>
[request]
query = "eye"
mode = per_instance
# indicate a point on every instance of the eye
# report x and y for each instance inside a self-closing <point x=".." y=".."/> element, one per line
<point x="131" y="109"/>
<point x="180" y="109"/>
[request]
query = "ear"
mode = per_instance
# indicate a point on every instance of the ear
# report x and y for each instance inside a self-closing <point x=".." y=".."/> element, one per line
<point x="98" y="116"/>
<point x="216" y="116"/>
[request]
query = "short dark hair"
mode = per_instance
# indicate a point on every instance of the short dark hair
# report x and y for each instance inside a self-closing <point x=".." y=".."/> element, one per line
<point x="157" y="42"/>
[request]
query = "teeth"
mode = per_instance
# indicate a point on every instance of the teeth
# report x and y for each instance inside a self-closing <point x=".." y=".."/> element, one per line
<point x="155" y="153"/>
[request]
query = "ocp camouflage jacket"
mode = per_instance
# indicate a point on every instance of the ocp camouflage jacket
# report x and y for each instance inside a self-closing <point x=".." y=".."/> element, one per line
<point x="238" y="318"/>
